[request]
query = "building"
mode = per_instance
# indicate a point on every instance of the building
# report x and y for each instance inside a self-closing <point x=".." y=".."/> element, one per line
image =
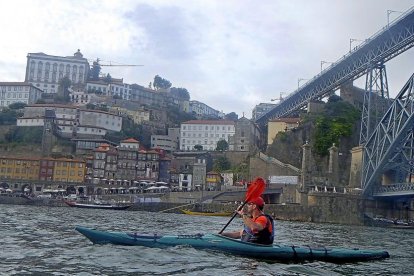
<point x="66" y="170"/>
<point x="280" y="125"/>
<point x="261" y="109"/>
<point x="80" y="98"/>
<point x="188" y="169"/>
<point x="213" y="181"/>
<point x="202" y="110"/>
<point x="138" y="115"/>
<point x="247" y="136"/>
<point x="205" y="133"/>
<point x="104" y="164"/>
<point x="149" y="97"/>
<point x="127" y="159"/>
<point x="18" y="92"/>
<point x="199" y="174"/>
<point x="45" y="71"/>
<point x="109" y="87"/>
<point x="72" y="121"/>
<point x="168" y="142"/>
<point x="46" y="169"/>
<point x="86" y="146"/>
<point x="23" y="168"/>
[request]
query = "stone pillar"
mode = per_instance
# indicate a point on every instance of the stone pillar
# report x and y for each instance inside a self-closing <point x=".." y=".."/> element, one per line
<point x="333" y="166"/>
<point x="306" y="167"/>
<point x="356" y="167"/>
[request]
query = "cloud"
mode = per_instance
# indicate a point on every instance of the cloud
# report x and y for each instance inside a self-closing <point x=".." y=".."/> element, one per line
<point x="230" y="54"/>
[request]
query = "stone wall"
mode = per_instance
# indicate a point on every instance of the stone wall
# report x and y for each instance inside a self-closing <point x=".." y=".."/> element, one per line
<point x="259" y="167"/>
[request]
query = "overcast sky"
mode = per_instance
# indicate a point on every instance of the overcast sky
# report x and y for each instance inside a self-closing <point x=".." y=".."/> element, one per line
<point x="230" y="55"/>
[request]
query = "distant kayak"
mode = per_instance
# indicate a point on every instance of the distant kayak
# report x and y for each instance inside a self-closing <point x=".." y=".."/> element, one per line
<point x="220" y="243"/>
<point x="97" y="206"/>
<point x="217" y="214"/>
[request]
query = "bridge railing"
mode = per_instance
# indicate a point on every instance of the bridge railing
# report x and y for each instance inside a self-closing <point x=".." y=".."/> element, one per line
<point x="394" y="188"/>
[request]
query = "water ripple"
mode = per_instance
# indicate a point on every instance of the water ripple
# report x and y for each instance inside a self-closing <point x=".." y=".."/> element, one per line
<point x="42" y="241"/>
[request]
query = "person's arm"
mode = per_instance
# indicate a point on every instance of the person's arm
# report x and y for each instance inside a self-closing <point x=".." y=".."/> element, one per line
<point x="234" y="234"/>
<point x="254" y="226"/>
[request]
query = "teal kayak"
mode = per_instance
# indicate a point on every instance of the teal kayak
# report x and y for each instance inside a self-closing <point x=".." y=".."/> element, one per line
<point x="228" y="245"/>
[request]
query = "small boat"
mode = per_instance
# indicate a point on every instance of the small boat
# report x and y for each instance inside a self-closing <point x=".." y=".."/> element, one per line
<point x="217" y="214"/>
<point x="97" y="205"/>
<point x="286" y="253"/>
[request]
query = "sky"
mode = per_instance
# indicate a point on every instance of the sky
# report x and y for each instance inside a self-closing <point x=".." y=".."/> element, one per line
<point x="229" y="54"/>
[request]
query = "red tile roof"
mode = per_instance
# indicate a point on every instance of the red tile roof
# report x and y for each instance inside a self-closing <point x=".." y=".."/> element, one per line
<point x="130" y="140"/>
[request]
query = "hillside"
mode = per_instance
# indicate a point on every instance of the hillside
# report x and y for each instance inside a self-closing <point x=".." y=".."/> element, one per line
<point x="339" y="123"/>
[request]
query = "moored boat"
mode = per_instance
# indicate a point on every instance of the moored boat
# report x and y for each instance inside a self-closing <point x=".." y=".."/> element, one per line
<point x="228" y="245"/>
<point x="97" y="206"/>
<point x="218" y="214"/>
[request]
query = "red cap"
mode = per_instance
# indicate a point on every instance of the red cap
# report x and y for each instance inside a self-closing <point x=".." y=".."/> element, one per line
<point x="258" y="201"/>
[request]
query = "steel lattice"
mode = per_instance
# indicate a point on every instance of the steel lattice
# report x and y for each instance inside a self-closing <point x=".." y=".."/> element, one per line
<point x="381" y="47"/>
<point x="390" y="147"/>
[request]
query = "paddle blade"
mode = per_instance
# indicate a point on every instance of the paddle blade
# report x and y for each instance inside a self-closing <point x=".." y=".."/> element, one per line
<point x="255" y="189"/>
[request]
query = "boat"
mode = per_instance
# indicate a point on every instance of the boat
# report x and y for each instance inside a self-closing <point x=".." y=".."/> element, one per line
<point x="217" y="214"/>
<point x="95" y="205"/>
<point x="386" y="222"/>
<point x="218" y="242"/>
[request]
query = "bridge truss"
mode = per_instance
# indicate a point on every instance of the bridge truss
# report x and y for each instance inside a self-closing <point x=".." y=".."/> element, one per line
<point x="388" y="43"/>
<point x="389" y="151"/>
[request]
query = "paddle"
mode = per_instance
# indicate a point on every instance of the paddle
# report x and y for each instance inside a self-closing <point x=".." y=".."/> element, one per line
<point x="255" y="189"/>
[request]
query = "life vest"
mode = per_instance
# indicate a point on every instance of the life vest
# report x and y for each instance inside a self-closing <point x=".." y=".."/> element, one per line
<point x="265" y="236"/>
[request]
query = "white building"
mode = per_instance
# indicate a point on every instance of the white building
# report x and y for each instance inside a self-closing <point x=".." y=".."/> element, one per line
<point x="168" y="142"/>
<point x="79" y="98"/>
<point x="110" y="88"/>
<point x="261" y="109"/>
<point x="44" y="71"/>
<point x="18" y="92"/>
<point x="73" y="121"/>
<point x="201" y="109"/>
<point x="205" y="133"/>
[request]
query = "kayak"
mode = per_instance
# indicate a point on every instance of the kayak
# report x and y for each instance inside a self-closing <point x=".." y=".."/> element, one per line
<point x="228" y="245"/>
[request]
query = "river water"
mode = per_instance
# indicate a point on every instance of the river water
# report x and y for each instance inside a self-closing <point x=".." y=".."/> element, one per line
<point x="42" y="241"/>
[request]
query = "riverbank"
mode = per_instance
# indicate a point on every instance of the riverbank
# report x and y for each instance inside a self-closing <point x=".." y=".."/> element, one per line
<point x="324" y="208"/>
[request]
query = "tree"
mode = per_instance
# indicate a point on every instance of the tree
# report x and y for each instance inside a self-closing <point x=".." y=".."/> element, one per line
<point x="181" y="93"/>
<point x="231" y="116"/>
<point x="160" y="83"/>
<point x="221" y="164"/>
<point x="222" y="145"/>
<point x="18" y="105"/>
<point x="63" y="89"/>
<point x="95" y="70"/>
<point x="198" y="147"/>
<point x="108" y="78"/>
<point x="40" y="101"/>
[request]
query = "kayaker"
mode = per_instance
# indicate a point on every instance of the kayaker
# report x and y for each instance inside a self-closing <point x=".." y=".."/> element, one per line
<point x="258" y="227"/>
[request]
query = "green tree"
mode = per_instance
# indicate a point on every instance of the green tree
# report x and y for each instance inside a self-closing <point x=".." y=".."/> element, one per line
<point x="32" y="135"/>
<point x="198" y="147"/>
<point x="63" y="94"/>
<point x="231" y="116"/>
<point x="222" y="145"/>
<point x="181" y="93"/>
<point x="108" y="78"/>
<point x="221" y="164"/>
<point x="40" y="101"/>
<point x="9" y="116"/>
<point x="338" y="121"/>
<point x="18" y="105"/>
<point x="95" y="70"/>
<point x="160" y="83"/>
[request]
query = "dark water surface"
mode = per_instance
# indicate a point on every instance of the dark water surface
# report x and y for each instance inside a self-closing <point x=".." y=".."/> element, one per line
<point x="42" y="241"/>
